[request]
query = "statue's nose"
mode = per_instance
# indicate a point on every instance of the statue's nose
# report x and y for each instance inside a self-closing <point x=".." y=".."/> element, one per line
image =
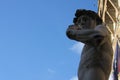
<point x="82" y="23"/>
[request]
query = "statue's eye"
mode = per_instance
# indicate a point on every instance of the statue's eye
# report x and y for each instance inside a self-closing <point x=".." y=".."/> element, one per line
<point x="84" y="19"/>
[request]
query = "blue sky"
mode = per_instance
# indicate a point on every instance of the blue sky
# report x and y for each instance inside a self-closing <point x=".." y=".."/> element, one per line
<point x="33" y="43"/>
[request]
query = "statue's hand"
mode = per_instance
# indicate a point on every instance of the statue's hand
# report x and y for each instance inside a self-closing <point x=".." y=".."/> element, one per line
<point x="74" y="27"/>
<point x="71" y="31"/>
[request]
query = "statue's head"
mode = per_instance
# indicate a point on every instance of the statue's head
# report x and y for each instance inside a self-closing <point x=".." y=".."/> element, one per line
<point x="86" y="19"/>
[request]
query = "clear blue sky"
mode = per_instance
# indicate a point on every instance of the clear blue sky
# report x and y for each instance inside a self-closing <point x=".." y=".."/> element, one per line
<point x="33" y="43"/>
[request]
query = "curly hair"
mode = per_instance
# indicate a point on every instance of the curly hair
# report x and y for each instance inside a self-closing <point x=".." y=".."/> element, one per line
<point x="92" y="14"/>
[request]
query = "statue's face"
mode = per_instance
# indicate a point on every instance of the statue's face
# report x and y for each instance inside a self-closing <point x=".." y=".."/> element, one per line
<point x="86" y="22"/>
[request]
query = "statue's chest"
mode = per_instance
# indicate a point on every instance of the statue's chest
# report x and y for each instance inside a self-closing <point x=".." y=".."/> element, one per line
<point x="90" y="54"/>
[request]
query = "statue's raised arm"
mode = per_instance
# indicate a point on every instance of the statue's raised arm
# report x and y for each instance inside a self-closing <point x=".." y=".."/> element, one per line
<point x="97" y="54"/>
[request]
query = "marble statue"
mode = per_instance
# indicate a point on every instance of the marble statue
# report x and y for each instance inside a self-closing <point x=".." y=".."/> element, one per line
<point x="97" y="54"/>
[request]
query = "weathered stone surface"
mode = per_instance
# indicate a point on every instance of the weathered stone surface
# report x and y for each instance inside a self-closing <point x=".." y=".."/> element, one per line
<point x="97" y="54"/>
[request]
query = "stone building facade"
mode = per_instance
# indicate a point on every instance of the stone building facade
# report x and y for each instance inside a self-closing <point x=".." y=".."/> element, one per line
<point x="109" y="11"/>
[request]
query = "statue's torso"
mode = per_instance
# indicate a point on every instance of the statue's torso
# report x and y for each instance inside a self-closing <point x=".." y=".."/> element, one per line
<point x="97" y="57"/>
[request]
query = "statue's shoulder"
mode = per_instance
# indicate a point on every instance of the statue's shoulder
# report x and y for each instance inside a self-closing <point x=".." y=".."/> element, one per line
<point x="100" y="26"/>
